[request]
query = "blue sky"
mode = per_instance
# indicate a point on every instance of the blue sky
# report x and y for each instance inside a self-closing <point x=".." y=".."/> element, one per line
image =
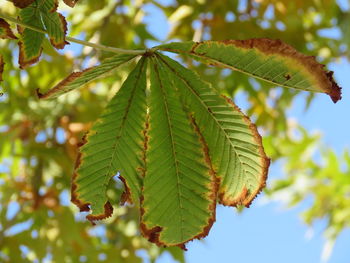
<point x="270" y="232"/>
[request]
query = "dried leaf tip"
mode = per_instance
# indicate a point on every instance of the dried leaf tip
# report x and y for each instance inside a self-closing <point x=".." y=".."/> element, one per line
<point x="70" y="3"/>
<point x="24" y="61"/>
<point x="323" y="78"/>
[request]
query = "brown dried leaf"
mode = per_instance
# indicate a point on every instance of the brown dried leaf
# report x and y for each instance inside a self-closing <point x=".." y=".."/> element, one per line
<point x="70" y="3"/>
<point x="5" y="30"/>
<point x="2" y="64"/>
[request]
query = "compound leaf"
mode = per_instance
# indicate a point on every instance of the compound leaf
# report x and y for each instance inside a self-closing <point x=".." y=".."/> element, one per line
<point x="266" y="59"/>
<point x="114" y="144"/>
<point x="179" y="187"/>
<point x="78" y="79"/>
<point x="234" y="144"/>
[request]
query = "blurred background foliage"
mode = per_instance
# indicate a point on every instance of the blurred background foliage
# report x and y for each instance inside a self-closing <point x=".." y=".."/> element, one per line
<point x="38" y="140"/>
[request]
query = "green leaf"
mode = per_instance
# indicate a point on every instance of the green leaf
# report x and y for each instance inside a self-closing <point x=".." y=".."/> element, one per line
<point x="55" y="24"/>
<point x="5" y="30"/>
<point x="235" y="146"/>
<point x="114" y="144"/>
<point x="79" y="79"/>
<point x="42" y="15"/>
<point x="30" y="45"/>
<point x="70" y="3"/>
<point x="266" y="59"/>
<point x="179" y="189"/>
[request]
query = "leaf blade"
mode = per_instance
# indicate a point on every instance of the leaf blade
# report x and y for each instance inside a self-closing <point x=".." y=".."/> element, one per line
<point x="232" y="139"/>
<point x="119" y="136"/>
<point x="30" y="44"/>
<point x="178" y="178"/>
<point x="55" y="23"/>
<point x="270" y="60"/>
<point x="78" y="79"/>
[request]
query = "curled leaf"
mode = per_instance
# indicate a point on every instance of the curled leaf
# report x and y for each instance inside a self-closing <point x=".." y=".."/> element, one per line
<point x="270" y="60"/>
<point x="5" y="30"/>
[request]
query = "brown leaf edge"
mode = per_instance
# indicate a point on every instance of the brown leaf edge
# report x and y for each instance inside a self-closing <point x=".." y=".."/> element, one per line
<point x="63" y="43"/>
<point x="84" y="206"/>
<point x="22" y="3"/>
<point x="23" y="61"/>
<point x="2" y="65"/>
<point x="276" y="46"/>
<point x="246" y="198"/>
<point x="61" y="85"/>
<point x="8" y="32"/>
<point x="152" y="234"/>
<point x="126" y="195"/>
<point x="70" y="3"/>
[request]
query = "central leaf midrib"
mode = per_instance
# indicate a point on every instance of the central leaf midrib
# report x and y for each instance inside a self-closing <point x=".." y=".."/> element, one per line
<point x="206" y="108"/>
<point x="172" y="146"/>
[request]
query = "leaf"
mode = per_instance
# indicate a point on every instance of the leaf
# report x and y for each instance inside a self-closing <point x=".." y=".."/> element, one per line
<point x="2" y="65"/>
<point x="42" y="15"/>
<point x="22" y="3"/>
<point x="234" y="143"/>
<point x="179" y="190"/>
<point x="114" y="144"/>
<point x="78" y="79"/>
<point x="31" y="41"/>
<point x="70" y="3"/>
<point x="266" y="59"/>
<point x="55" y="24"/>
<point x="5" y="30"/>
